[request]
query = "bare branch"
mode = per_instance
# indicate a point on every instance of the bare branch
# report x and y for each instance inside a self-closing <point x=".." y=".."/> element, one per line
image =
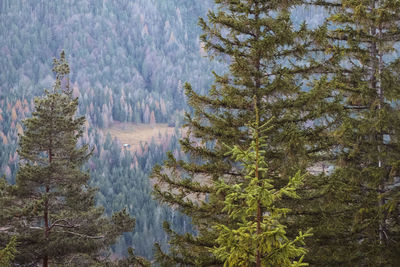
<point x="82" y="235"/>
<point x="4" y="229"/>
<point x="67" y="225"/>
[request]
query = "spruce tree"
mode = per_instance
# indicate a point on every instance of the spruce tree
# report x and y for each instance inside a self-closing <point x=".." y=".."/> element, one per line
<point x="259" y="238"/>
<point x="359" y="223"/>
<point x="54" y="211"/>
<point x="262" y="47"/>
<point x="369" y="150"/>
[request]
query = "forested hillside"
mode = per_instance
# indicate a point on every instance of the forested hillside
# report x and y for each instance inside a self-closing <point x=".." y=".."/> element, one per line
<point x="128" y="61"/>
<point x="129" y="58"/>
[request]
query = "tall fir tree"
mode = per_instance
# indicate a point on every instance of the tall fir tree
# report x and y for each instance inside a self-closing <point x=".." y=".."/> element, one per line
<point x="264" y="50"/>
<point x="54" y="211"/>
<point x="359" y="211"/>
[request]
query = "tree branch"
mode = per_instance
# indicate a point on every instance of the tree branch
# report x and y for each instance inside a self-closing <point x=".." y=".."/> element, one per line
<point x="56" y="223"/>
<point x="82" y="235"/>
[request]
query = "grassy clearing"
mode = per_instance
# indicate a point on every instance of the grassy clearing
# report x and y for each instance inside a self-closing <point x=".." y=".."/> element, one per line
<point x="133" y="134"/>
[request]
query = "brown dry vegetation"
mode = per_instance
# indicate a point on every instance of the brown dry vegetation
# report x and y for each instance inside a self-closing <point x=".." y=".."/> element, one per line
<point x="133" y="134"/>
<point x="136" y="134"/>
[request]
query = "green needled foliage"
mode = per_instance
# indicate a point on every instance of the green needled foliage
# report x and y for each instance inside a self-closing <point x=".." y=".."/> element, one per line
<point x="133" y="261"/>
<point x="8" y="253"/>
<point x="54" y="211"/>
<point x="262" y="47"/>
<point x="368" y="139"/>
<point x="259" y="238"/>
<point x="360" y="218"/>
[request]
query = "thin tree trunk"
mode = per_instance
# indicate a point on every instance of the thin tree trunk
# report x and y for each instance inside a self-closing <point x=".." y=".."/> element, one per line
<point x="377" y="67"/>
<point x="46" y="224"/>
<point x="256" y="104"/>
<point x="45" y="261"/>
<point x="258" y="263"/>
<point x="46" y="205"/>
<point x="259" y="217"/>
<point x="383" y="179"/>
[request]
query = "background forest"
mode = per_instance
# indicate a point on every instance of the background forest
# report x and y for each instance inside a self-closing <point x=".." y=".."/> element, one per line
<point x="128" y="61"/>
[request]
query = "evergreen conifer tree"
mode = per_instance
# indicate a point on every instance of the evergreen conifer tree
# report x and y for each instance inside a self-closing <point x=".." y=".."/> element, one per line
<point x="368" y="139"/>
<point x="259" y="237"/>
<point x="133" y="261"/>
<point x="8" y="253"/>
<point x="54" y="211"/>
<point x="262" y="46"/>
<point x="359" y="211"/>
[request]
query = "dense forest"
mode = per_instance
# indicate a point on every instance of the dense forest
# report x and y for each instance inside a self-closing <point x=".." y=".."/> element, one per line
<point x="285" y="149"/>
<point x="128" y="61"/>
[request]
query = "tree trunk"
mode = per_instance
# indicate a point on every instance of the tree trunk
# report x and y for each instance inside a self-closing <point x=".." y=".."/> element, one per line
<point x="376" y="83"/>
<point x="256" y="105"/>
<point x="46" y="226"/>
<point x="259" y="217"/>
<point x="46" y="207"/>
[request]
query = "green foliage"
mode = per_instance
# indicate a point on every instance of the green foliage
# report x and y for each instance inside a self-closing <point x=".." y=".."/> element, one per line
<point x="258" y="39"/>
<point x="133" y="261"/>
<point x="123" y="73"/>
<point x="259" y="233"/>
<point x="358" y="220"/>
<point x="6" y="201"/>
<point x="8" y="253"/>
<point x="331" y="95"/>
<point x="122" y="179"/>
<point x="54" y="211"/>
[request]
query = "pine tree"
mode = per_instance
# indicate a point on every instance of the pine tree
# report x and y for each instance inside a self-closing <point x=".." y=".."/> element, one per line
<point x="360" y="217"/>
<point x="54" y="209"/>
<point x="259" y="238"/>
<point x="262" y="46"/>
